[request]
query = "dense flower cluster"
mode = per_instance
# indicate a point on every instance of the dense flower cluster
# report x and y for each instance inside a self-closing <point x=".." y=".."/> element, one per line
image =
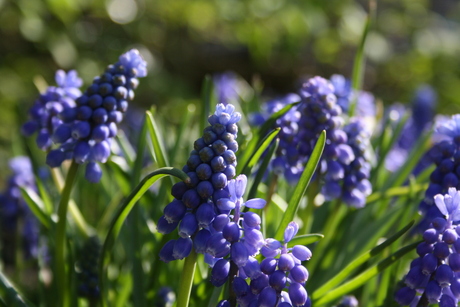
<point x="435" y="274"/>
<point x="446" y="156"/>
<point x="43" y="114"/>
<point x="84" y="128"/>
<point x="87" y="268"/>
<point x="279" y="279"/>
<point x="14" y="210"/>
<point x="210" y="166"/>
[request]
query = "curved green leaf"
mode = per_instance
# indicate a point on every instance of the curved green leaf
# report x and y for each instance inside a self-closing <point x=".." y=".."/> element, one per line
<point x="36" y="205"/>
<point x="10" y="295"/>
<point x="260" y="150"/>
<point x="306" y="239"/>
<point x="158" y="148"/>
<point x="126" y="207"/>
<point x="361" y="278"/>
<point x="261" y="171"/>
<point x="302" y="185"/>
<point x="342" y="275"/>
<point x="396" y="191"/>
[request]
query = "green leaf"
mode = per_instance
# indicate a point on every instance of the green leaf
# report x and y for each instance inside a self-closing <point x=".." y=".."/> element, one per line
<point x="264" y="129"/>
<point x="126" y="147"/>
<point x="342" y="275"/>
<point x="302" y="185"/>
<point x="261" y="171"/>
<point x="184" y="126"/>
<point x="246" y="169"/>
<point x="11" y="296"/>
<point x="206" y="91"/>
<point x="158" y="148"/>
<point x="142" y="141"/>
<point x="47" y="202"/>
<point x="126" y="207"/>
<point x="306" y="239"/>
<point x="361" y="278"/>
<point x="396" y="191"/>
<point x="36" y="205"/>
<point x="358" y="65"/>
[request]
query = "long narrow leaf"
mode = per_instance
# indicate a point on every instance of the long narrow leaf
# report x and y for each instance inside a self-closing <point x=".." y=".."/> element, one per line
<point x="160" y="153"/>
<point x="306" y="239"/>
<point x="12" y="297"/>
<point x="261" y="171"/>
<point x="361" y="278"/>
<point x="206" y="91"/>
<point x="260" y="150"/>
<point x="396" y="191"/>
<point x="342" y="275"/>
<point x="47" y="202"/>
<point x="126" y="207"/>
<point x="36" y="205"/>
<point x="302" y="185"/>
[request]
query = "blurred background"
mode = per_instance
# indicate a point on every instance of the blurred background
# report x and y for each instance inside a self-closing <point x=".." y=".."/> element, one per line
<point x="274" y="43"/>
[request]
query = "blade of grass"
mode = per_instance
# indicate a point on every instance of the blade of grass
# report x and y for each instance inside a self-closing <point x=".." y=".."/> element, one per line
<point x="206" y="91"/>
<point x="265" y="143"/>
<point x="306" y="239"/>
<point x="302" y="185"/>
<point x="11" y="296"/>
<point x="361" y="278"/>
<point x="125" y="209"/>
<point x="342" y="275"/>
<point x="36" y="205"/>
<point x="261" y="171"/>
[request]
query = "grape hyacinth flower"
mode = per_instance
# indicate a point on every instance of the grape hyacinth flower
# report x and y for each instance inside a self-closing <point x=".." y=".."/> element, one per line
<point x="14" y="210"/>
<point x="86" y="132"/>
<point x="44" y="113"/>
<point x="434" y="277"/>
<point x="446" y="156"/>
<point x="195" y="210"/>
<point x="279" y="279"/>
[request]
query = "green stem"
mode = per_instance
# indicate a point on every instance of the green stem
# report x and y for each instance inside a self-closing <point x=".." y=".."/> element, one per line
<point x="61" y="281"/>
<point x="185" y="287"/>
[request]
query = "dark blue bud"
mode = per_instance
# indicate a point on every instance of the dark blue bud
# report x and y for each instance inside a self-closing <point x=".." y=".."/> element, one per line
<point x="119" y="80"/>
<point x="55" y="158"/>
<point x="220" y="221"/>
<point x="252" y="268"/>
<point x="200" y="241"/>
<point x="441" y="250"/>
<point x="114" y="117"/>
<point x="301" y="252"/>
<point x="82" y="100"/>
<point x="174" y="211"/>
<point x="43" y="139"/>
<point x="62" y="134"/>
<point x="424" y="248"/>
<point x="81" y="152"/>
<point x="230" y="172"/>
<point x="299" y="273"/>
<point x="219" y="147"/>
<point x="120" y="92"/>
<point x="455" y="288"/>
<point x="219" y="272"/>
<point x="286" y="262"/>
<point x="191" y="199"/>
<point x="122" y="106"/>
<point x="240" y="286"/>
<point x="278" y="280"/>
<point x="233" y="146"/>
<point x="218" y="128"/>
<point x="205" y="189"/>
<point x="193" y="182"/>
<point x="404" y="296"/>
<point x="105" y="89"/>
<point x="166" y="252"/>
<point x="93" y="88"/>
<point x="439" y="224"/>
<point x="182" y="248"/>
<point x="205" y="214"/>
<point x="267" y="297"/>
<point x="113" y="129"/>
<point x="206" y="154"/>
<point x="415" y="278"/>
<point x="229" y="157"/>
<point x="231" y="232"/>
<point x="81" y="130"/>
<point x="430" y="236"/>
<point x="454" y="262"/>
<point x="219" y="180"/>
<point x="100" y="152"/>
<point x="109" y="103"/>
<point x="259" y="283"/>
<point x="203" y="171"/>
<point x="232" y="128"/>
<point x="100" y="116"/>
<point x="199" y="144"/>
<point x="95" y="101"/>
<point x="239" y="254"/>
<point x="178" y="189"/>
<point x="447" y="301"/>
<point x="218" y="164"/>
<point x="444" y="275"/>
<point x="83" y="113"/>
<point x="217" y="246"/>
<point x="429" y="264"/>
<point x="449" y="236"/>
<point x="268" y="265"/>
<point x="433" y="292"/>
<point x="450" y="180"/>
<point x="164" y="227"/>
<point x="100" y="133"/>
<point x="251" y="219"/>
<point x="297" y="294"/>
<point x="188" y="226"/>
<point x="194" y="161"/>
<point x="93" y="172"/>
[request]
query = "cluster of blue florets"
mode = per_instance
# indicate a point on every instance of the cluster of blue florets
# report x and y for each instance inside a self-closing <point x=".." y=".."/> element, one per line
<point x="43" y="115"/>
<point x="434" y="277"/>
<point x="446" y="156"/>
<point x="210" y="166"/>
<point x="14" y="210"/>
<point x="84" y="128"/>
<point x="344" y="164"/>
